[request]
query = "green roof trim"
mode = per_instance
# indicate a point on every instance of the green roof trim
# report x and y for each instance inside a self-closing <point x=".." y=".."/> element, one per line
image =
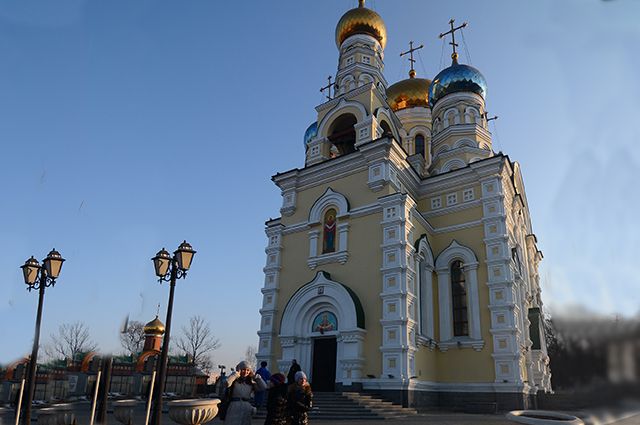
<point x="358" y="304"/>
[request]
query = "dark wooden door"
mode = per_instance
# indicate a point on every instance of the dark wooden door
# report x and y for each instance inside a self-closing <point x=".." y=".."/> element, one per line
<point x="323" y="372"/>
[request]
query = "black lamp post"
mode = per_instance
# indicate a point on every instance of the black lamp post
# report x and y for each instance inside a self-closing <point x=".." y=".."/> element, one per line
<point x="38" y="277"/>
<point x="168" y="269"/>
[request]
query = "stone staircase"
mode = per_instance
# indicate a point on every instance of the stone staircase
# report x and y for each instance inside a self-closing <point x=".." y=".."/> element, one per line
<point x="343" y="406"/>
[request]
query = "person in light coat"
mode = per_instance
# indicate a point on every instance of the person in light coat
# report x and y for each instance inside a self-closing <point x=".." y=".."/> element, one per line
<point x="242" y="384"/>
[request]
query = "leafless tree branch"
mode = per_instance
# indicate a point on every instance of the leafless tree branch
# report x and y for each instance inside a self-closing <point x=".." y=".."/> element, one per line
<point x="198" y="342"/>
<point x="132" y="339"/>
<point x="71" y="339"/>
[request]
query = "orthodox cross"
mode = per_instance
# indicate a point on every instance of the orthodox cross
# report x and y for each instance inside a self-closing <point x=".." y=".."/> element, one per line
<point x="486" y="117"/>
<point x="412" y="72"/>
<point x="328" y="87"/>
<point x="452" y="31"/>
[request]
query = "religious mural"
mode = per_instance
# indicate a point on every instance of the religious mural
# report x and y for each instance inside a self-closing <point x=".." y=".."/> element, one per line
<point x="324" y="322"/>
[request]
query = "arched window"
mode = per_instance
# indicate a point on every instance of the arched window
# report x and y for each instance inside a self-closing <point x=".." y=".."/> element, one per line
<point x="343" y="135"/>
<point x="329" y="232"/>
<point x="419" y="140"/>
<point x="386" y="129"/>
<point x="459" y="300"/>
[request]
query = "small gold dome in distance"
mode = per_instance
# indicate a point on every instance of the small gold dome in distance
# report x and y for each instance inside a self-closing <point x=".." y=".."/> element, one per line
<point x="154" y="327"/>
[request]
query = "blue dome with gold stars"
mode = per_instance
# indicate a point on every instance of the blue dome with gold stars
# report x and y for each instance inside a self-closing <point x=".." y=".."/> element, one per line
<point x="457" y="78"/>
<point x="311" y="132"/>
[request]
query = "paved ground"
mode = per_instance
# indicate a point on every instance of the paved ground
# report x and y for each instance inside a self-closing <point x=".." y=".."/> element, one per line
<point x="625" y="415"/>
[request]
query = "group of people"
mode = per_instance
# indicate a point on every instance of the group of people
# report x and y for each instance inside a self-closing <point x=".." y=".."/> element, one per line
<point x="289" y="399"/>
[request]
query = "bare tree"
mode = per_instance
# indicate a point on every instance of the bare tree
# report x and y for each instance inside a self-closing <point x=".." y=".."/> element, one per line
<point x="71" y="339"/>
<point x="198" y="342"/>
<point x="132" y="337"/>
<point x="250" y="355"/>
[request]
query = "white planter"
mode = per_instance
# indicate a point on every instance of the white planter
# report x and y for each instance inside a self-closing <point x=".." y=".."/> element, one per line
<point x="542" y="417"/>
<point x="123" y="411"/>
<point x="193" y="412"/>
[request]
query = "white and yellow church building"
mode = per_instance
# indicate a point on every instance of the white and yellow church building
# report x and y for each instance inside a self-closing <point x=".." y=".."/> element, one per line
<point x="403" y="262"/>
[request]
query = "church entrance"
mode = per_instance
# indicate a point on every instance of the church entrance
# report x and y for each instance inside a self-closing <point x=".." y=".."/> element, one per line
<point x="323" y="371"/>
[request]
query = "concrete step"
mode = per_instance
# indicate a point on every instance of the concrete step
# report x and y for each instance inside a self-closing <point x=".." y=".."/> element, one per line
<point x="378" y="405"/>
<point x="351" y="406"/>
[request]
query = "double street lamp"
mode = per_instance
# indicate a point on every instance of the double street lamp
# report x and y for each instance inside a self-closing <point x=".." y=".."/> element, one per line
<point x="168" y="269"/>
<point x="38" y="277"/>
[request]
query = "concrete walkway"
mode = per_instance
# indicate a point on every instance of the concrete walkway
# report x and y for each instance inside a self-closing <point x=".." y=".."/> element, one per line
<point x="625" y="415"/>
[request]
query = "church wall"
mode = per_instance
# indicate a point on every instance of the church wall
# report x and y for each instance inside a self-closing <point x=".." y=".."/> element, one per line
<point x="468" y="215"/>
<point x="357" y="273"/>
<point x="468" y="365"/>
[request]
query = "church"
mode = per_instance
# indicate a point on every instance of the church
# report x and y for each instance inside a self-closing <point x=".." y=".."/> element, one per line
<point x="403" y="262"/>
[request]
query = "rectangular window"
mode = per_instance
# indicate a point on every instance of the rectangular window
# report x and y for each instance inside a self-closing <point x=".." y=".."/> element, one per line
<point x="436" y="203"/>
<point x="452" y="199"/>
<point x="349" y="60"/>
<point x="468" y="195"/>
<point x="366" y="60"/>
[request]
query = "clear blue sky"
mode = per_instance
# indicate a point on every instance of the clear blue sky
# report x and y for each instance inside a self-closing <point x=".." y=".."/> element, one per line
<point x="129" y="126"/>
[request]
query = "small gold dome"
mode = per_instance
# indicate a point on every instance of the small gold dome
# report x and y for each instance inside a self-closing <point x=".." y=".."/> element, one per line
<point x="154" y="327"/>
<point x="409" y="93"/>
<point x="361" y="21"/>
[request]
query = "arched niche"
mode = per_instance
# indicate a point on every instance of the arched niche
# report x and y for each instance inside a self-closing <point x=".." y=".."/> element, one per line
<point x="296" y="336"/>
<point x="328" y="199"/>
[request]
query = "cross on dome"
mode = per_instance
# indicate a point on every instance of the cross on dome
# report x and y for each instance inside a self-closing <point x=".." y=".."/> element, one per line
<point x="328" y="87"/>
<point x="412" y="72"/>
<point x="452" y="31"/>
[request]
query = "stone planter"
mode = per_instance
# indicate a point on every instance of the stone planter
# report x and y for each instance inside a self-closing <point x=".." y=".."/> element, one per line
<point x="123" y="410"/>
<point x="64" y="413"/>
<point x="193" y="412"/>
<point x="542" y="417"/>
<point x="47" y="416"/>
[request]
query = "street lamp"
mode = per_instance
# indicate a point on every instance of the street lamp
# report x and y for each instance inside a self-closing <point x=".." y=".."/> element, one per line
<point x="168" y="269"/>
<point x="38" y="277"/>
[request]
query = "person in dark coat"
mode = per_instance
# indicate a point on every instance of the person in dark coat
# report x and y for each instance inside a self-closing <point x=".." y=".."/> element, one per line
<point x="299" y="400"/>
<point x="277" y="400"/>
<point x="295" y="368"/>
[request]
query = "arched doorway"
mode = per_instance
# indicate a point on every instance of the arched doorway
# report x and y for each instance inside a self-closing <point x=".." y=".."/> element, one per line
<point x="322" y="327"/>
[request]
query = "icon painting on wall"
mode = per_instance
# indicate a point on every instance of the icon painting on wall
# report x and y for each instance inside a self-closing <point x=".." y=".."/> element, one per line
<point x="325" y="322"/>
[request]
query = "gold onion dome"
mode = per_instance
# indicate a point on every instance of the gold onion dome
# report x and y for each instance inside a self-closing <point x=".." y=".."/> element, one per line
<point x="409" y="93"/>
<point x="155" y="327"/>
<point x="361" y="21"/>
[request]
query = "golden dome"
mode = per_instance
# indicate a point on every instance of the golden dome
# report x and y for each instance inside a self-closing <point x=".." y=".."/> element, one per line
<point x="155" y="327"/>
<point x="361" y="21"/>
<point x="409" y="93"/>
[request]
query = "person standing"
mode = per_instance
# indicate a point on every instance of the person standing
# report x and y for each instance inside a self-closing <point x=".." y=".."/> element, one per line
<point x="242" y="383"/>
<point x="277" y="401"/>
<point x="265" y="375"/>
<point x="295" y="368"/>
<point x="299" y="400"/>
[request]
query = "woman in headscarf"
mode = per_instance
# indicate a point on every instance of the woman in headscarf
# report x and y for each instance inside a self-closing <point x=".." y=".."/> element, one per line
<point x="299" y="400"/>
<point x="277" y="400"/>
<point x="242" y="384"/>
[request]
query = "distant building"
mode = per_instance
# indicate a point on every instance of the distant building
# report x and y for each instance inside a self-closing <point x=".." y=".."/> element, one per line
<point x="130" y="376"/>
